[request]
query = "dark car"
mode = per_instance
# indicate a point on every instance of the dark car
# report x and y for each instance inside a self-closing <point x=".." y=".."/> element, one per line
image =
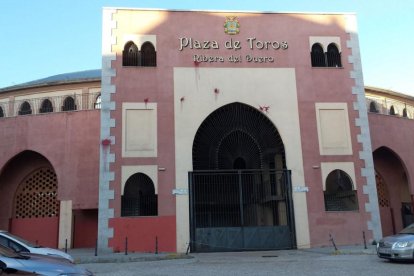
<point x="28" y="263"/>
<point x="399" y="246"/>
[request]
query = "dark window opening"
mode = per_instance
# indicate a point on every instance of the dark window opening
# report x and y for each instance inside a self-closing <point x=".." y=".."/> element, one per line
<point x="1" y="112"/>
<point x="405" y="112"/>
<point x="68" y="104"/>
<point x="317" y="56"/>
<point x="130" y="54"/>
<point x="46" y="106"/>
<point x="373" y="107"/>
<point x="98" y="101"/>
<point x="25" y="109"/>
<point x="392" y="111"/>
<point x="148" y="55"/>
<point x="239" y="164"/>
<point x="139" y="197"/>
<point x="333" y="56"/>
<point x="339" y="194"/>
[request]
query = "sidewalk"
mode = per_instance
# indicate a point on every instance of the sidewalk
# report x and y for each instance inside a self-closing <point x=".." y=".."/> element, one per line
<point x="344" y="250"/>
<point x="87" y="255"/>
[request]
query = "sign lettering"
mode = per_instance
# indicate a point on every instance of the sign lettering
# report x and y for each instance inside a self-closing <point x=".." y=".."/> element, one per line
<point x="251" y="43"/>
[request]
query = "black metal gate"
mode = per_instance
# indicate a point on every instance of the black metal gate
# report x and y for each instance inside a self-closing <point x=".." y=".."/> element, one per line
<point x="241" y="210"/>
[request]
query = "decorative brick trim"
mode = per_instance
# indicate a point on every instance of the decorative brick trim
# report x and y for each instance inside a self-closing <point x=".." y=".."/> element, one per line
<point x="106" y="213"/>
<point x="371" y="207"/>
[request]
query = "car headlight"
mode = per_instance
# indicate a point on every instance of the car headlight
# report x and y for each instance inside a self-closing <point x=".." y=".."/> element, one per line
<point x="402" y="244"/>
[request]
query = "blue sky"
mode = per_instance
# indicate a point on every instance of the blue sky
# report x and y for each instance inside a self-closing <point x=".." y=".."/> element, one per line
<point x="41" y="38"/>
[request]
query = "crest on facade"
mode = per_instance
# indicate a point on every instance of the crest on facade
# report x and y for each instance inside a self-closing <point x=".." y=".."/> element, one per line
<point x="232" y="25"/>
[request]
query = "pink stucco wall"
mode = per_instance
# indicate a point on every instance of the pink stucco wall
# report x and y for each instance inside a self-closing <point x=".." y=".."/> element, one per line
<point x="39" y="231"/>
<point x="144" y="234"/>
<point x="68" y="141"/>
<point x="393" y="147"/>
<point x="313" y="85"/>
<point x="396" y="134"/>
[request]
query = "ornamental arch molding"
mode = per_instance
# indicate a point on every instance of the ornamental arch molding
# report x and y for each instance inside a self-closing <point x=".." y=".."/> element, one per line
<point x="238" y="135"/>
<point x="28" y="188"/>
<point x="394" y="190"/>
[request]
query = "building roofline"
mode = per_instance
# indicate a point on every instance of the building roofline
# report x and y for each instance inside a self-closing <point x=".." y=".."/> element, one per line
<point x="228" y="11"/>
<point x="388" y="92"/>
<point x="60" y="79"/>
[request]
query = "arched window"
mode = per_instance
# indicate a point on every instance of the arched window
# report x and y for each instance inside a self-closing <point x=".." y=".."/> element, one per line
<point x="1" y="112"/>
<point x="148" y="55"/>
<point x="139" y="197"/>
<point x="339" y="194"/>
<point x="25" y="109"/>
<point x="317" y="56"/>
<point x="333" y="56"/>
<point x="373" y="107"/>
<point x="97" y="104"/>
<point x="46" y="106"/>
<point x="130" y="55"/>
<point x="392" y="110"/>
<point x="68" y="104"/>
<point x="405" y="113"/>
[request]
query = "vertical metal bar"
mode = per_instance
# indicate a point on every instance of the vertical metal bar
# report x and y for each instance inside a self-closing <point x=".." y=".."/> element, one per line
<point x="96" y="247"/>
<point x="192" y="216"/>
<point x="365" y="241"/>
<point x="156" y="244"/>
<point x="241" y="199"/>
<point x="126" y="245"/>
<point x="288" y="183"/>
<point x="241" y="207"/>
<point x="333" y="242"/>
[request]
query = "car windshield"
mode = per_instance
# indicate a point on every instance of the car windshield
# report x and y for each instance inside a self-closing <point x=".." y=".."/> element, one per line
<point x="408" y="230"/>
<point x="21" y="240"/>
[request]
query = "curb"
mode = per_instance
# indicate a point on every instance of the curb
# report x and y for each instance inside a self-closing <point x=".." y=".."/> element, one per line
<point x="129" y="258"/>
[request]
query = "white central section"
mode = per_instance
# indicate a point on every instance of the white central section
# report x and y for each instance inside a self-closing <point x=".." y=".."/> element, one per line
<point x="200" y="91"/>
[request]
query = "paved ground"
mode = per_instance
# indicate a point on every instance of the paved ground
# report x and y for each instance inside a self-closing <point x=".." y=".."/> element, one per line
<point x="319" y="261"/>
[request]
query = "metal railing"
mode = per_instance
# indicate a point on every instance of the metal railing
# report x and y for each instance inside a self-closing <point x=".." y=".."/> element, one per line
<point x="341" y="201"/>
<point x="239" y="198"/>
<point x="142" y="205"/>
<point x="41" y="105"/>
<point x="241" y="210"/>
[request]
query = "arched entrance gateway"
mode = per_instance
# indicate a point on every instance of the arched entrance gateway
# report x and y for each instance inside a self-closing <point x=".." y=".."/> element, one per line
<point x="240" y="190"/>
<point x="394" y="195"/>
<point x="28" y="193"/>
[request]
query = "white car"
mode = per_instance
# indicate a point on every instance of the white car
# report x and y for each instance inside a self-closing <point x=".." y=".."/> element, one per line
<point x="399" y="246"/>
<point x="12" y="263"/>
<point x="21" y="246"/>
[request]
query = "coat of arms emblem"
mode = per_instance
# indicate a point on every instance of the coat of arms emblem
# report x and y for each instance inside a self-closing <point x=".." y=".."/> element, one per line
<point x="232" y="25"/>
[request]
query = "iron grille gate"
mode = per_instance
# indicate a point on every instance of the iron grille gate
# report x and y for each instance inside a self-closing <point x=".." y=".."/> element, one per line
<point x="241" y="210"/>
